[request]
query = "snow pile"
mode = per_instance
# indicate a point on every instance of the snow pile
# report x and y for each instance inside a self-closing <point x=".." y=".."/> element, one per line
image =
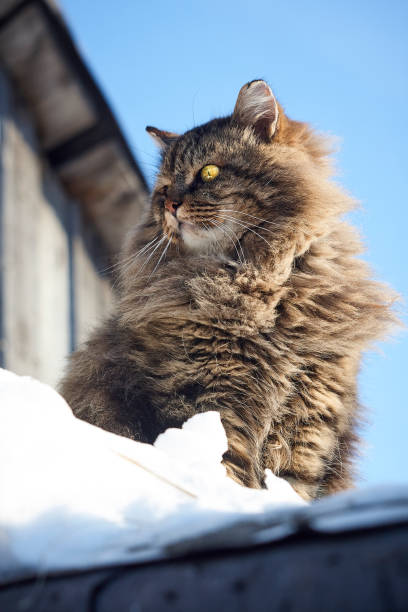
<point x="73" y="496"/>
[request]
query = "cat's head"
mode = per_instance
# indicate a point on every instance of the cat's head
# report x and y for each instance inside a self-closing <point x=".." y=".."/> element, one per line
<point x="242" y="184"/>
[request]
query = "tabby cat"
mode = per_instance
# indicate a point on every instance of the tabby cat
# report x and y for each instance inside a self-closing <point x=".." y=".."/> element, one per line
<point x="241" y="292"/>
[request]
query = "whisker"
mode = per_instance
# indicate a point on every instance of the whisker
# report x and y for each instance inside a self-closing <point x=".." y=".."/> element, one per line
<point x="150" y="256"/>
<point x="215" y="237"/>
<point x="148" y="246"/>
<point x="161" y="257"/>
<point x="249" y="229"/>
<point x="219" y="226"/>
<point x="243" y="260"/>
<point x="125" y="268"/>
<point x="116" y="265"/>
<point x="240" y="212"/>
<point x="124" y="261"/>
<point x="269" y="231"/>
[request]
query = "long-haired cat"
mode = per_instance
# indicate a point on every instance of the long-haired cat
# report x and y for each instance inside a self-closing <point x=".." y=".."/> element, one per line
<point x="241" y="292"/>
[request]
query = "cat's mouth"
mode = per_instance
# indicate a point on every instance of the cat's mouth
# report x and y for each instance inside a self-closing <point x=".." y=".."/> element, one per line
<point x="193" y="235"/>
<point x="180" y="225"/>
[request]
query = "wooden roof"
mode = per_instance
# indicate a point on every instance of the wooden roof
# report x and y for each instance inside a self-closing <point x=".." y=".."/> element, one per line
<point x="77" y="130"/>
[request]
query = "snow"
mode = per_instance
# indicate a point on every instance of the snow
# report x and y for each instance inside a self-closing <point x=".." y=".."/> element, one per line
<point x="73" y="496"/>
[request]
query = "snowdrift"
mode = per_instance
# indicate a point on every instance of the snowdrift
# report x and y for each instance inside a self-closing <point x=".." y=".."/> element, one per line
<point x="73" y="496"/>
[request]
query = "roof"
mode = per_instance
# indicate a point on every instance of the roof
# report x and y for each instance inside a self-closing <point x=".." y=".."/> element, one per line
<point x="77" y="130"/>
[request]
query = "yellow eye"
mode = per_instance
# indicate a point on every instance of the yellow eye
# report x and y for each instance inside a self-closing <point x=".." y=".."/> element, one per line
<point x="210" y="172"/>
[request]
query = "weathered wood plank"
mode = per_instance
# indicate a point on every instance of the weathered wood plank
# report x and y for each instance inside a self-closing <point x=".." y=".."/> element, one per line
<point x="354" y="572"/>
<point x="35" y="253"/>
<point x="52" y="292"/>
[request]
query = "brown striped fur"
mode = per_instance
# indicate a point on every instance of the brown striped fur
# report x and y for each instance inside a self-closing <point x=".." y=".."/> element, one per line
<point x="260" y="310"/>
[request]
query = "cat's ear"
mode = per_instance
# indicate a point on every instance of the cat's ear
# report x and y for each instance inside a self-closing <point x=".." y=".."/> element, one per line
<point x="256" y="106"/>
<point x="161" y="137"/>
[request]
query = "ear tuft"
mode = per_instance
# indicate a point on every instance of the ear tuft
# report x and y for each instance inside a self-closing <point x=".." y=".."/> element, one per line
<point x="161" y="137"/>
<point x="256" y="106"/>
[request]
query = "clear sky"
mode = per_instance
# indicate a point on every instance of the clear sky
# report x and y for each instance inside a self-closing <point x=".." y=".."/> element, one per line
<point x="339" y="64"/>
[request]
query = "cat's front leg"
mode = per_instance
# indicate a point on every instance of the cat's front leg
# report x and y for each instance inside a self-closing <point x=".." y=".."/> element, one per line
<point x="243" y="460"/>
<point x="312" y="445"/>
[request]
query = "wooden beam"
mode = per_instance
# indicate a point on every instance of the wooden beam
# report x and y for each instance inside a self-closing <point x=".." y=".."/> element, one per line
<point x="52" y="92"/>
<point x="80" y="143"/>
<point x="353" y="572"/>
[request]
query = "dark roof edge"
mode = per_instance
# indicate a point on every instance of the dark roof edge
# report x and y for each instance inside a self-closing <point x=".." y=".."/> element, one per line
<point x="65" y="43"/>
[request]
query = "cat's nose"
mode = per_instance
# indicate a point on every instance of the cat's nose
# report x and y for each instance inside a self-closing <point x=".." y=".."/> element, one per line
<point x="172" y="206"/>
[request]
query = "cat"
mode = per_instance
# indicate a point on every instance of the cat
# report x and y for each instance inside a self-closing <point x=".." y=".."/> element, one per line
<point x="241" y="292"/>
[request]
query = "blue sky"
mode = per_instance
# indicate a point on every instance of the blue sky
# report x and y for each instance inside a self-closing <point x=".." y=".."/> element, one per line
<point x="341" y="65"/>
